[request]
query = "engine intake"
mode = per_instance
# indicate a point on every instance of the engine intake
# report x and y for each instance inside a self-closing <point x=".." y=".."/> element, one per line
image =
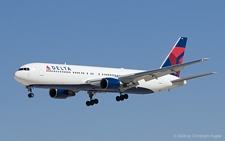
<point x="60" y="93"/>
<point x="109" y="83"/>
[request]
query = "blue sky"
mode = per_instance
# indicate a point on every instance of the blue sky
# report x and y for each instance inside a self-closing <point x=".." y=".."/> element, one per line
<point x="128" y="34"/>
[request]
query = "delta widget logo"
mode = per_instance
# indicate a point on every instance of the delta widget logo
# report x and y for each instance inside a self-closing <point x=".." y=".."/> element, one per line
<point x="58" y="68"/>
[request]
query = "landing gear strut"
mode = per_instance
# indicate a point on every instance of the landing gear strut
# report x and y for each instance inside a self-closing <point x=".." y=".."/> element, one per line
<point x="30" y="95"/>
<point x="92" y="101"/>
<point x="122" y="97"/>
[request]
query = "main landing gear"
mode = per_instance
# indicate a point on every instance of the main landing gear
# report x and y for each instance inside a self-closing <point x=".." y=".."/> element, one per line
<point x="122" y="97"/>
<point x="92" y="101"/>
<point x="30" y="95"/>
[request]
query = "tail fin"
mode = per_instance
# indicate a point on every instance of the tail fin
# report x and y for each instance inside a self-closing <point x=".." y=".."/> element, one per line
<point x="176" y="55"/>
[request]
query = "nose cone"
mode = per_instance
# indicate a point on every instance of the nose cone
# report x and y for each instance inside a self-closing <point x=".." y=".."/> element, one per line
<point x="17" y="76"/>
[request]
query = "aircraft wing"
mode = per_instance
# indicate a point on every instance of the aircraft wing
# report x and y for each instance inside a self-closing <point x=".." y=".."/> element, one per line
<point x="154" y="74"/>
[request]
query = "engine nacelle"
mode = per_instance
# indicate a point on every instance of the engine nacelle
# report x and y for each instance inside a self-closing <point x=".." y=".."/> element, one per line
<point x="109" y="83"/>
<point x="60" y="93"/>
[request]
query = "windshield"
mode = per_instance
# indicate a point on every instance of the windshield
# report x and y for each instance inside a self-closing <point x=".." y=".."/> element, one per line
<point x="23" y="69"/>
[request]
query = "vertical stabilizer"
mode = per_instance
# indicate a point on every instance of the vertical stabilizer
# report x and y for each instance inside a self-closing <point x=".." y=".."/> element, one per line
<point x="176" y="55"/>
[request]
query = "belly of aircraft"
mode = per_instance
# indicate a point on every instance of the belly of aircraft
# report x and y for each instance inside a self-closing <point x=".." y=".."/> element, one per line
<point x="87" y="87"/>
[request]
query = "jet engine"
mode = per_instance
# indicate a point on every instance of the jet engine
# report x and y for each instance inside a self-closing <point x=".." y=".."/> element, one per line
<point x="109" y="83"/>
<point x="60" y="93"/>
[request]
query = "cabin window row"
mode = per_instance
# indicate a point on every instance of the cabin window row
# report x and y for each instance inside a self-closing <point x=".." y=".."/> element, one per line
<point x="103" y="74"/>
<point x="58" y="71"/>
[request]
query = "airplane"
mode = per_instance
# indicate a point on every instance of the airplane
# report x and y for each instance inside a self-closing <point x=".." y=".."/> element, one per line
<point x="65" y="81"/>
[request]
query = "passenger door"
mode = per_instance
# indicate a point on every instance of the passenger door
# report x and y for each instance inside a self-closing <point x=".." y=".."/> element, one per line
<point x="41" y="71"/>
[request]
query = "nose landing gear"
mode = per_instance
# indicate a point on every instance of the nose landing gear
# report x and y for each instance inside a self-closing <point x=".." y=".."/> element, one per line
<point x="30" y="95"/>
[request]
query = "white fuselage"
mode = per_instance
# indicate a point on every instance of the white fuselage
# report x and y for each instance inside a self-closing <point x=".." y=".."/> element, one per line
<point x="74" y="77"/>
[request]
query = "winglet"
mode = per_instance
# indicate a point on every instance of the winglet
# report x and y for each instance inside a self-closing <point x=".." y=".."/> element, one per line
<point x="204" y="59"/>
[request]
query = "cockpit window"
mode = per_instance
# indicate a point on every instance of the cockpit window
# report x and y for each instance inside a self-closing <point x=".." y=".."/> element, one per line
<point x="25" y="69"/>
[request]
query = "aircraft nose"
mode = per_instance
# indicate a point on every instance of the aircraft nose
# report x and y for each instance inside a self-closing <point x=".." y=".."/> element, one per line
<point x="16" y="75"/>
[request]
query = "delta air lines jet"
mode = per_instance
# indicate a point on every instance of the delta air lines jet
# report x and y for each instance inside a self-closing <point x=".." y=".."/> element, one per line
<point x="64" y="80"/>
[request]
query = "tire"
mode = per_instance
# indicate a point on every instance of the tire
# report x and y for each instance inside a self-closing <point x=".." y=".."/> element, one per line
<point x="92" y="102"/>
<point x="96" y="101"/>
<point x="122" y="97"/>
<point x="126" y="96"/>
<point x="118" y="98"/>
<point x="30" y="95"/>
<point x="88" y="103"/>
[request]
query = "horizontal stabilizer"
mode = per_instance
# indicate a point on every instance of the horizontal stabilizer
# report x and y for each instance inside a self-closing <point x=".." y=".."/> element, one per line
<point x="191" y="77"/>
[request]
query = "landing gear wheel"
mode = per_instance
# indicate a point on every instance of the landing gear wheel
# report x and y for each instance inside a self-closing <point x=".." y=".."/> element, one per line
<point x="88" y="103"/>
<point x="118" y="98"/>
<point x="122" y="97"/>
<point x="92" y="102"/>
<point x="96" y="101"/>
<point x="126" y="96"/>
<point x="30" y="95"/>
